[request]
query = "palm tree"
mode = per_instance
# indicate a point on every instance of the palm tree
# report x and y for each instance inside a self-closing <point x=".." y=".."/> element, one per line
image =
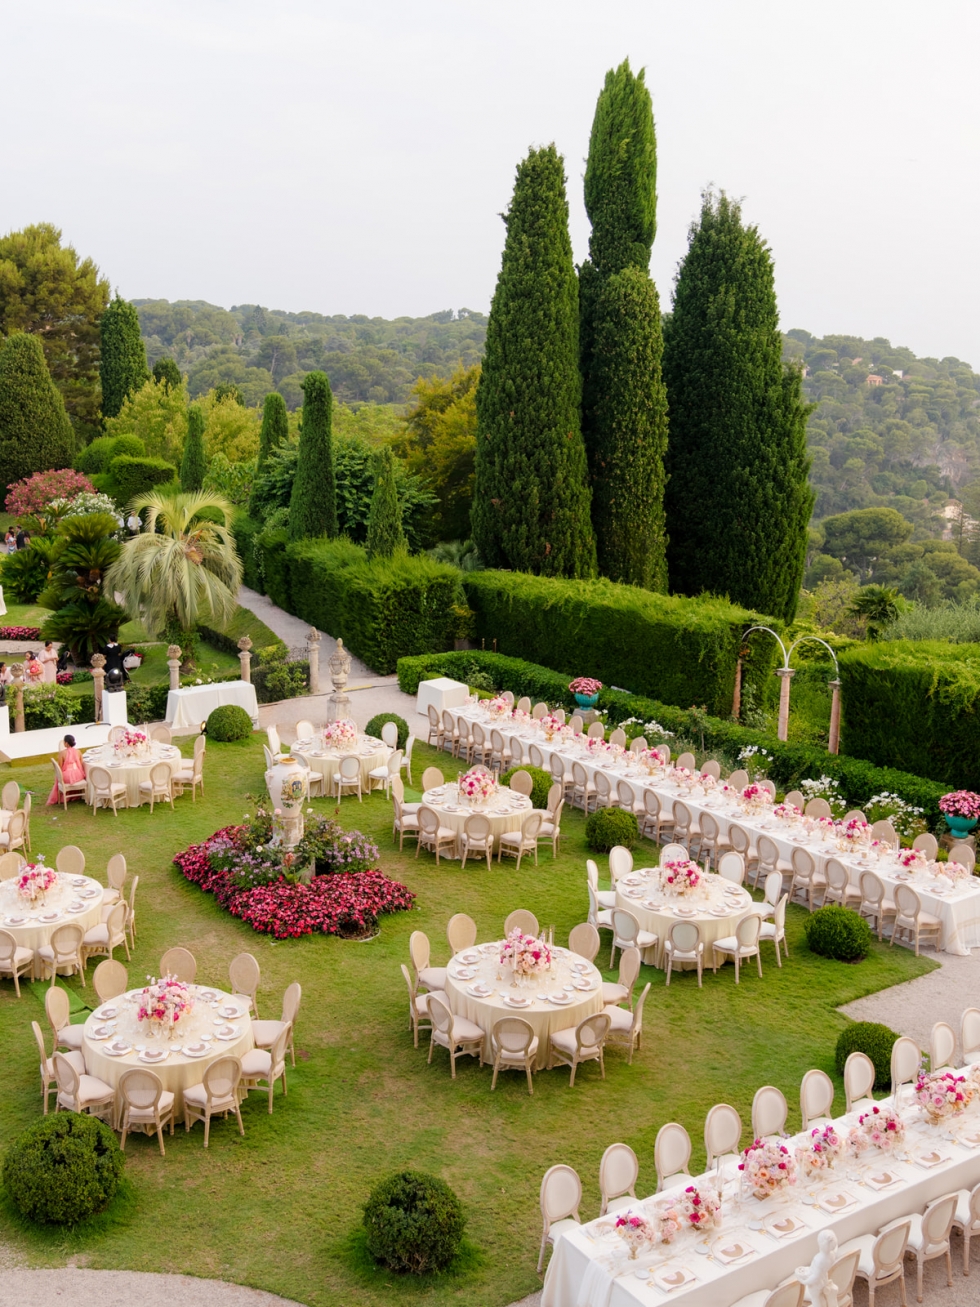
<point x="879" y="605"/>
<point x="183" y="568"/>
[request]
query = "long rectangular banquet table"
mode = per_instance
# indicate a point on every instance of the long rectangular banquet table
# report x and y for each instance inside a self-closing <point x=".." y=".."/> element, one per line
<point x="590" y="1267"/>
<point x="192" y="704"/>
<point x="957" y="908"/>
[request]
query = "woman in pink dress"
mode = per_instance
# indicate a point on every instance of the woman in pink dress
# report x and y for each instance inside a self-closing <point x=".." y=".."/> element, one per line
<point x="48" y="658"/>
<point x="33" y="670"/>
<point x="70" y="762"/>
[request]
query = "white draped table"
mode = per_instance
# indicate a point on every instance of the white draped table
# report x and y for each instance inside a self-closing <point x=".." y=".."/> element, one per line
<point x="590" y="1266"/>
<point x="131" y="771"/>
<point x="192" y="704"/>
<point x="506" y="811"/>
<point x="370" y="753"/>
<point x="715" y="907"/>
<point x="76" y="899"/>
<point x="576" y="983"/>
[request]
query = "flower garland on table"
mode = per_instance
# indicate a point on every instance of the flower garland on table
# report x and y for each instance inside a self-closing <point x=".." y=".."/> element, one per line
<point x="942" y="1095"/>
<point x="679" y="875"/>
<point x="526" y="955"/>
<point x="767" y="1165"/>
<point x="961" y="803"/>
<point x="132" y="744"/>
<point x="953" y="871"/>
<point x="343" y="734"/>
<point x="586" y="685"/>
<point x="498" y="707"/>
<point x="35" y="880"/>
<point x="787" y="812"/>
<point x="476" y="786"/>
<point x="821" y="1150"/>
<point x="164" y="1001"/>
<point x="880" y="1128"/>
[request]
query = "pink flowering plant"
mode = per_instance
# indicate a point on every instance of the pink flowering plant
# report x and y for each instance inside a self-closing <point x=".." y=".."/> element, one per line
<point x="767" y="1165"/>
<point x="35" y="880"/>
<point x="679" y="875"/>
<point x="34" y="493"/>
<point x="586" y="685"/>
<point x="942" y="1095"/>
<point x="524" y="954"/>
<point x="881" y="1128"/>
<point x="822" y="1148"/>
<point x="961" y="803"/>
<point x="20" y="633"/>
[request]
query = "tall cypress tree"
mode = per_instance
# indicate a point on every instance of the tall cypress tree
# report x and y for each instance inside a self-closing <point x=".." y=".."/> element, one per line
<point x="313" y="503"/>
<point x="738" y="501"/>
<point x="167" y="371"/>
<point x="275" y="427"/>
<point x="384" y="531"/>
<point x="531" y="498"/>
<point x="122" y="362"/>
<point x="193" y="464"/>
<point x="624" y="401"/>
<point x="35" y="432"/>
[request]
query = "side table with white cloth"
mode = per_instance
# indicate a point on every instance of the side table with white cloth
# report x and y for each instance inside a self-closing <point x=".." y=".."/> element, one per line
<point x="761" y="1242"/>
<point x="369" y="752"/>
<point x="131" y="771"/>
<point x="71" y="899"/>
<point x="115" y="1041"/>
<point x="506" y="811"/>
<point x="192" y="704"/>
<point x="716" y="907"/>
<point x="480" y="989"/>
<point x="442" y="692"/>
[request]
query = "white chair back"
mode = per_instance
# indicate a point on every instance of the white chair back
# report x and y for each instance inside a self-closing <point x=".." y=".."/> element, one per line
<point x="620" y="862"/>
<point x="970" y="1033"/>
<point x="671" y="1153"/>
<point x="71" y="861"/>
<point x="769" y="1112"/>
<point x="583" y="940"/>
<point x="389" y="734"/>
<point x="722" y="1131"/>
<point x="617" y="1173"/>
<point x="942" y="1045"/>
<point x="522" y="920"/>
<point x="461" y="932"/>
<point x="731" y="866"/>
<point x="859" y="1078"/>
<point x="816" y="1096"/>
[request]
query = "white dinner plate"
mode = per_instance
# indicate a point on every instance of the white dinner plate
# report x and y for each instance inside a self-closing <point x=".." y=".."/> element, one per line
<point x="513" y="1001"/>
<point x="153" y="1056"/>
<point x="16" y="921"/>
<point x="230" y="1032"/>
<point x="89" y="893"/>
<point x="120" y="1050"/>
<point x="76" y="907"/>
<point x="79" y="882"/>
<point x="464" y="973"/>
<point x="561" y="1000"/>
<point x="196" y="1050"/>
<point x="479" y="991"/>
<point x="208" y="995"/>
<point x="48" y="917"/>
<point x="229" y="1013"/>
<point x="471" y="955"/>
<point x="102" y="1032"/>
<point x="584" y="986"/>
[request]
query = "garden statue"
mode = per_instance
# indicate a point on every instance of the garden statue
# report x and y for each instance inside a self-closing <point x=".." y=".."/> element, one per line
<point x="338" y="705"/>
<point x="816" y="1276"/>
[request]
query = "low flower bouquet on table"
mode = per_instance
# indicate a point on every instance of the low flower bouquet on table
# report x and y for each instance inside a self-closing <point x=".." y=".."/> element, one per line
<point x="476" y="786"/>
<point x="880" y="1128"/>
<point x="550" y="725"/>
<point x="635" y="1231"/>
<point x="164" y="1003"/>
<point x="852" y="834"/>
<point x="498" y="707"/>
<point x="912" y="859"/>
<point x="756" y="797"/>
<point x="35" y="880"/>
<point x="942" y="1095"/>
<point x="767" y="1166"/>
<point x="683" y="776"/>
<point x="678" y="876"/>
<point x="597" y="748"/>
<point x="823" y="827"/>
<point x="132" y="744"/>
<point x="651" y="760"/>
<point x="787" y="812"/>
<point x="702" y="1211"/>
<point x="521" y="718"/>
<point x="951" y="871"/>
<point x="821" y="1150"/>
<point x="525" y="955"/>
<point x="341" y="735"/>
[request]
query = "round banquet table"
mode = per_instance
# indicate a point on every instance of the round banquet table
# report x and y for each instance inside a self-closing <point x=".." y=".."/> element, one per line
<point x="544" y="1017"/>
<point x="506" y="811"/>
<point x="178" y="1070"/>
<point x="131" y="771"/>
<point x="370" y="753"/>
<point x="75" y="899"/>
<point x="718" y="908"/>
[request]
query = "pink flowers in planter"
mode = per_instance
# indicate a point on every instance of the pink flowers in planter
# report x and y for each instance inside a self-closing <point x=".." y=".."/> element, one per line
<point x="961" y="803"/>
<point x="586" y="685"/>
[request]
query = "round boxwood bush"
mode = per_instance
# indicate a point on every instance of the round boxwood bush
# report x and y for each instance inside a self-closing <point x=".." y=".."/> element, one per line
<point x="63" y="1168"/>
<point x="229" y="722"/>
<point x="375" y="724"/>
<point x="414" y="1223"/>
<point x="872" y="1038"/>
<point x="607" y="827"/>
<point x="836" y="932"/>
<point x="542" y="782"/>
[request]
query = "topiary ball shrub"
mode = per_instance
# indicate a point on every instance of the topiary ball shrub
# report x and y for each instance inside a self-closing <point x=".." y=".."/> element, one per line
<point x="414" y="1223"/>
<point x="542" y="783"/>
<point x="375" y="724"/>
<point x="872" y="1038"/>
<point x="607" y="827"/>
<point x="63" y="1168"/>
<point x="229" y="722"/>
<point x="836" y="932"/>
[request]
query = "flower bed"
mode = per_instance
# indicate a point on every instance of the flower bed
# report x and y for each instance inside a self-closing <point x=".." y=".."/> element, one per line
<point x="276" y="903"/>
<point x="20" y="633"/>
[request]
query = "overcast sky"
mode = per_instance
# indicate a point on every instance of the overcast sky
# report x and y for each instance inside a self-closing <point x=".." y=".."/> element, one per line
<point x="308" y="154"/>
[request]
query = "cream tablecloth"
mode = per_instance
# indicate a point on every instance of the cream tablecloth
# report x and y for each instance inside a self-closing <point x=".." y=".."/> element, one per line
<point x="482" y="966"/>
<point x="589" y="1267"/>
<point x="178" y="1070"/>
<point x="716" y="907"/>
<point x="75" y="899"/>
<point x="370" y="753"/>
<point x="131" y="771"/>
<point x="506" y="811"/>
<point x="192" y="704"/>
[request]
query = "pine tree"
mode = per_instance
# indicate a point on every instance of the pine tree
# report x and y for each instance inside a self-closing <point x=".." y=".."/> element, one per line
<point x="122" y="364"/>
<point x="35" y="433"/>
<point x="313" y="503"/>
<point x="624" y="401"/>
<point x="738" y="500"/>
<point x="167" y="371"/>
<point x="193" y="464"/>
<point x="531" y="498"/>
<point x="384" y="532"/>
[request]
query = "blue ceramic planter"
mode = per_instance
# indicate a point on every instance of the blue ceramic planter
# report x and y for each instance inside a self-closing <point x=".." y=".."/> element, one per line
<point x="960" y="825"/>
<point x="586" y="700"/>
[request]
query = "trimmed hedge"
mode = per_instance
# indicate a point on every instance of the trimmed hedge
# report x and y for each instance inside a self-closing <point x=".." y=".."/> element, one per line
<point x="791" y="763"/>
<point x="872" y="1038"/>
<point x="63" y="1168"/>
<point x="414" y="1223"/>
<point x="608" y="827"/>
<point x="245" y="530"/>
<point x="839" y="933"/>
<point x="905" y="700"/>
<point x="129" y="476"/>
<point x="541" y="783"/>
<point x="382" y="719"/>
<point x="682" y="651"/>
<point x="229" y="722"/>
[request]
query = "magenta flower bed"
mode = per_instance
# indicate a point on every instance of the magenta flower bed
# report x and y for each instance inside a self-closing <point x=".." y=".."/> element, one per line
<point x="20" y="633"/>
<point x="340" y="903"/>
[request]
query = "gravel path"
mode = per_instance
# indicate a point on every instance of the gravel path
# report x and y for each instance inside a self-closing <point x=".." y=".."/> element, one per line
<point x="913" y="1007"/>
<point x="83" y="1288"/>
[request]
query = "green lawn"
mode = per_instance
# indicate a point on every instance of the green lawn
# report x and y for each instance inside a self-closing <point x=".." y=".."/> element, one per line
<point x="280" y="1208"/>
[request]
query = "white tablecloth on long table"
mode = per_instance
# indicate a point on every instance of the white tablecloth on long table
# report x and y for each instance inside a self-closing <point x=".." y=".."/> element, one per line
<point x="191" y="705"/>
<point x="178" y="1070"/>
<point x="589" y="1266"/>
<point x="482" y="966"/>
<point x="716" y="907"/>
<point x="76" y="899"/>
<point x="506" y="811"/>
<point x="131" y="771"/>
<point x="441" y="692"/>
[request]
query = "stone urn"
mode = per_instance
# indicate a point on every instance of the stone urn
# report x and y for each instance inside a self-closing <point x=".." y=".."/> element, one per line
<point x="288" y="785"/>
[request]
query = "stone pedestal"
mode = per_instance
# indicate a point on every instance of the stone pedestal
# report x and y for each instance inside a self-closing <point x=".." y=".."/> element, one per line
<point x="245" y="657"/>
<point x="338" y="705"/>
<point x="785" y="675"/>
<point x="17" y="672"/>
<point x="313" y="654"/>
<point x="833" y="742"/>
<point x="173" y="662"/>
<point x="98" y="682"/>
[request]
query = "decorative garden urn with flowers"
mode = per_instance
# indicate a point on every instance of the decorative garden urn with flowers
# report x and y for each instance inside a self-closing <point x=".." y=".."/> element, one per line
<point x="961" y="808"/>
<point x="288" y="785"/>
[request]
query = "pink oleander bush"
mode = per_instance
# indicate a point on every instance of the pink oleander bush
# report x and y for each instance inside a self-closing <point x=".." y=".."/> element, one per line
<point x="339" y="903"/>
<point x="34" y="493"/>
<point x="20" y="633"/>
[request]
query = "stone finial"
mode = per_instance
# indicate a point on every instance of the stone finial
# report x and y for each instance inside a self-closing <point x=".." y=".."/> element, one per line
<point x="98" y="660"/>
<point x="173" y="651"/>
<point x="244" y="644"/>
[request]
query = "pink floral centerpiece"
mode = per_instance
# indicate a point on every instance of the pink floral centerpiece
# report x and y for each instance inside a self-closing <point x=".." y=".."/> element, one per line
<point x="767" y="1165"/>
<point x="163" y="1003"/>
<point x="597" y="748"/>
<point x="701" y="1210"/>
<point x="550" y="725"/>
<point x="942" y="1095"/>
<point x="132" y="744"/>
<point x="525" y="955"/>
<point x="651" y="760"/>
<point x="787" y="812"/>
<point x="35" y="880"/>
<point x="341" y="735"/>
<point x="476" y="786"/>
<point x="821" y="1150"/>
<point x="678" y="875"/>
<point x="756" y="796"/>
<point x="852" y="833"/>
<point x="880" y="1128"/>
<point x="912" y="859"/>
<point x="953" y="871"/>
<point x="635" y="1232"/>
<point x="498" y="707"/>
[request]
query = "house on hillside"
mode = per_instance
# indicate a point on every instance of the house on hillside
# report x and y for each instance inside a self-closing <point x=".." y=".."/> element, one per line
<point x="874" y="380"/>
